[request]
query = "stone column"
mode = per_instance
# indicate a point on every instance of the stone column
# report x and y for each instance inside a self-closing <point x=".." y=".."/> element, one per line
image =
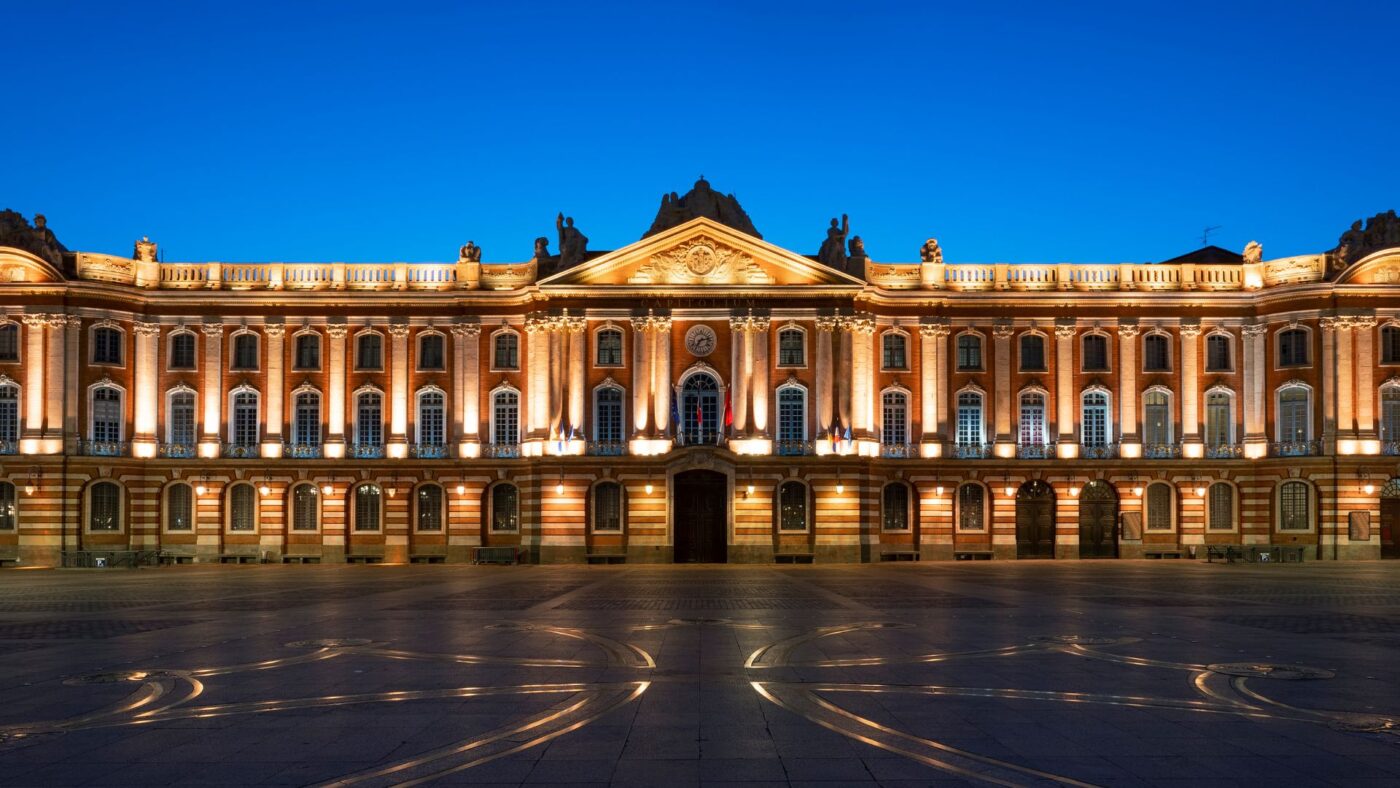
<point x="758" y="373"/>
<point x="276" y="383"/>
<point x="335" y="397"/>
<point x="397" y="445"/>
<point x="53" y="391"/>
<point x="844" y="374"/>
<point x="1190" y="387"/>
<point x="558" y="347"/>
<point x="1128" y="386"/>
<point x="641" y="376"/>
<point x="1002" y="333"/>
<point x="1346" y="385"/>
<point x="73" y="330"/>
<point x="935" y="341"/>
<point x="661" y="374"/>
<point x="1065" y="395"/>
<point x="213" y="393"/>
<point x="1365" y="326"/>
<point x="862" y="377"/>
<point x="466" y="383"/>
<point x="143" y="429"/>
<point x="577" y="329"/>
<point x="34" y="376"/>
<point x="537" y="377"/>
<point x="821" y="398"/>
<point x="739" y="339"/>
<point x="1328" y="397"/>
<point x="1254" y="335"/>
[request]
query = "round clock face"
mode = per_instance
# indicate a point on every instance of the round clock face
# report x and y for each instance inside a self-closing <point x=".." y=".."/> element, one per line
<point x="700" y="341"/>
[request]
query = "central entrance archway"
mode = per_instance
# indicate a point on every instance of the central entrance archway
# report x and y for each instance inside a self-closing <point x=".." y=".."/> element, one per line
<point x="700" y="517"/>
<point x="1098" y="521"/>
<point x="1390" y="519"/>
<point x="1035" y="520"/>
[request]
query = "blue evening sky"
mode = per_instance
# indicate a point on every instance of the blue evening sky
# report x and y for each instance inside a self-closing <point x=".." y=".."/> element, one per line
<point x="397" y="131"/>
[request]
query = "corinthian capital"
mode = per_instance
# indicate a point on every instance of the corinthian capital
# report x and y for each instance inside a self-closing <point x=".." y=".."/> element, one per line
<point x="36" y="321"/>
<point x="1362" y="322"/>
<point x="336" y="330"/>
<point x="738" y="325"/>
<point x="535" y="325"/>
<point x="1003" y="330"/>
<point x="398" y="330"/>
<point x="1332" y="323"/>
<point x="212" y="329"/>
<point x="466" y="330"/>
<point x="1190" y="330"/>
<point x="1129" y="330"/>
<point x="933" y="330"/>
<point x="641" y="325"/>
<point x="1065" y="330"/>
<point x="274" y="330"/>
<point x="826" y="323"/>
<point x="1254" y="330"/>
<point x="142" y="329"/>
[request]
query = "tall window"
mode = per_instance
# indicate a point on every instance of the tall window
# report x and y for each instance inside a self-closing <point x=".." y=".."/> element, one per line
<point x="1032" y="353"/>
<point x="1294" y="502"/>
<point x="505" y="353"/>
<point x="1293" y="348"/>
<point x="9" y="413"/>
<point x="245" y="351"/>
<point x="1096" y="431"/>
<point x="791" y="348"/>
<point x="699" y="411"/>
<point x="245" y="418"/>
<point x="106" y="415"/>
<point x="430" y="352"/>
<point x="306" y="419"/>
<point x="179" y="507"/>
<point x="1294" y="426"/>
<point x="367" y="507"/>
<point x="894" y="427"/>
<point x="432" y="419"/>
<point x="182" y="350"/>
<point x="607" y="506"/>
<point x="1218" y="353"/>
<point x="895" y="507"/>
<point x="369" y="351"/>
<point x="1159" y="506"/>
<point x="8" y="510"/>
<point x="1032" y="424"/>
<point x="107" y="345"/>
<point x="1095" y="353"/>
<point x="972" y="508"/>
<point x="894" y="354"/>
<point x="242" y="508"/>
<point x="792" y="414"/>
<point x="969" y="353"/>
<point x="1156" y="418"/>
<point x="308" y="352"/>
<point x="369" y="420"/>
<point x="1390" y="344"/>
<point x="607" y="415"/>
<point x="609" y="348"/>
<point x="1156" y="353"/>
<point x="1221" y="513"/>
<point x="970" y="432"/>
<point x="1220" y="419"/>
<point x="792" y="506"/>
<point x="9" y="342"/>
<point x="105" y="507"/>
<point x="180" y="429"/>
<point x="1390" y="412"/>
<point x="505" y="508"/>
<point x="429" y="505"/>
<point x="305" y="507"/>
<point x="505" y="418"/>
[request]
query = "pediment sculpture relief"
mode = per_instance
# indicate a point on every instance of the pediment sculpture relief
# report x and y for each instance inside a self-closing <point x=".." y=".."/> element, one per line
<point x="701" y="260"/>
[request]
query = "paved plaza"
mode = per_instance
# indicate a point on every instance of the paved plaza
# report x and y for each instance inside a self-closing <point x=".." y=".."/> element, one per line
<point x="1143" y="673"/>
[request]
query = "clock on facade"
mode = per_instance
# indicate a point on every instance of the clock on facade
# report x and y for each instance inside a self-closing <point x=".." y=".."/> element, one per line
<point x="700" y="341"/>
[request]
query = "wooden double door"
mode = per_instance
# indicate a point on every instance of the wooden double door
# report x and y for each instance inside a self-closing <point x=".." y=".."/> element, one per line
<point x="1035" y="520"/>
<point x="1098" y="521"/>
<point x="1390" y="527"/>
<point x="700" y="517"/>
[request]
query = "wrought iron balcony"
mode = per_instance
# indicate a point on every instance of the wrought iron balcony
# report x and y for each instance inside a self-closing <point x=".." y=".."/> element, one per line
<point x="301" y="451"/>
<point x="501" y="451"/>
<point x="1295" y="448"/>
<point x="104" y="448"/>
<point x="1224" y="451"/>
<point x="242" y="451"/>
<point x="972" y="451"/>
<point x="897" y="451"/>
<point x="607" y="448"/>
<point x="1391" y="448"/>
<point x="792" y="448"/>
<point x="1035" y="451"/>
<point x="428" y="451"/>
<point x="1106" y="451"/>
<point x="1161" y="451"/>
<point x="177" y="451"/>
<point x="366" y="451"/>
<point x="9" y="447"/>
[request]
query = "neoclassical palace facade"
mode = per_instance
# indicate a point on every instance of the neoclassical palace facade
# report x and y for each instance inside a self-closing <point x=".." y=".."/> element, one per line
<point x="700" y="395"/>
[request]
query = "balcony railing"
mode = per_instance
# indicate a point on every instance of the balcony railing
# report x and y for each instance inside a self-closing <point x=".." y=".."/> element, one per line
<point x="1161" y="451"/>
<point x="792" y="448"/>
<point x="242" y="451"/>
<point x="104" y="448"/>
<point x="366" y="451"/>
<point x="176" y="451"/>
<point x="1105" y="451"/>
<point x="302" y="451"/>
<point x="607" y="448"/>
<point x="1391" y="448"/>
<point x="897" y="451"/>
<point x="428" y="451"/>
<point x="972" y="451"/>
<point x="1295" y="448"/>
<point x="1224" y="451"/>
<point x="9" y="447"/>
<point x="1035" y="451"/>
<point x="501" y="451"/>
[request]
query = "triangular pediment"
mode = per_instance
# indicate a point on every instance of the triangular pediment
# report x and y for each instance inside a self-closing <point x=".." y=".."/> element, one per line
<point x="698" y="253"/>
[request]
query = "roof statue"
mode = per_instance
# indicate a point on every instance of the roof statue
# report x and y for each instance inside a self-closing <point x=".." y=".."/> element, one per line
<point x="930" y="252"/>
<point x="701" y="200"/>
<point x="833" y="251"/>
<point x="145" y="250"/>
<point x="469" y="253"/>
<point x="545" y="263"/>
<point x="1382" y="231"/>
<point x="855" y="263"/>
<point x="573" y="244"/>
<point x="1253" y="252"/>
<point x="38" y="240"/>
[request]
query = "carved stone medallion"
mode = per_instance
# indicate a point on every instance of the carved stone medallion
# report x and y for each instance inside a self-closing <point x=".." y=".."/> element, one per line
<point x="700" y="341"/>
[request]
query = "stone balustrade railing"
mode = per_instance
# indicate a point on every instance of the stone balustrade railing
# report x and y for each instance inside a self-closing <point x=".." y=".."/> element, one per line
<point x="973" y="277"/>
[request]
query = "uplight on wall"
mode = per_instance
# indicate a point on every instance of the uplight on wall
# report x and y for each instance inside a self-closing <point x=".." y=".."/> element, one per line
<point x="649" y="488"/>
<point x="840" y="487"/>
<point x="559" y="487"/>
<point x="461" y="489"/>
<point x="326" y="489"/>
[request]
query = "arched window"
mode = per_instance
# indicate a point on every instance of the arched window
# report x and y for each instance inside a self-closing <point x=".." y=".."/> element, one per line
<point x="1156" y="353"/>
<point x="505" y="350"/>
<point x="1031" y="428"/>
<point x="306" y="507"/>
<point x="969" y="353"/>
<point x="432" y="356"/>
<point x="9" y="512"/>
<point x="1293" y="347"/>
<point x="505" y="508"/>
<point x="894" y="500"/>
<point x="505" y="418"/>
<point x="1032" y="353"/>
<point x="1096" y="428"/>
<point x="1160" y="504"/>
<point x="792" y="419"/>
<point x="369" y="424"/>
<point x="699" y="410"/>
<point x="245" y="351"/>
<point x="972" y="507"/>
<point x="182" y="350"/>
<point x="1220" y="514"/>
<point x="894" y="424"/>
<point x="428" y="507"/>
<point x="1294" y="416"/>
<point x="607" y="416"/>
<point x="104" y="507"/>
<point x="107" y="413"/>
<point x="179" y="507"/>
<point x="432" y="419"/>
<point x="792" y="347"/>
<point x="107" y="345"/>
<point x="244" y="429"/>
<point x="9" y="416"/>
<point x="1390" y="412"/>
<point x="970" y="431"/>
<point x="366" y="504"/>
<point x="1218" y="353"/>
<point x="179" y="419"/>
<point x="369" y="351"/>
<point x="792" y="506"/>
<point x="1156" y="422"/>
<point x="9" y="341"/>
<point x="1294" y="506"/>
<point x="306" y="420"/>
<point x="1094" y="353"/>
<point x="609" y="348"/>
<point x="1220" y="418"/>
<point x="308" y="351"/>
<point x="242" y="508"/>
<point x="607" y="507"/>
<point x="1390" y="344"/>
<point x="894" y="351"/>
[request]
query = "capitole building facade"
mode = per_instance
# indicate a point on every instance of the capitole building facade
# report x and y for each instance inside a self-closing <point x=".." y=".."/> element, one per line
<point x="699" y="395"/>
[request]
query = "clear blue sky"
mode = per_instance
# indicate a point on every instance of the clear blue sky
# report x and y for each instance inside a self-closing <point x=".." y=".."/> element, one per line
<point x="397" y="131"/>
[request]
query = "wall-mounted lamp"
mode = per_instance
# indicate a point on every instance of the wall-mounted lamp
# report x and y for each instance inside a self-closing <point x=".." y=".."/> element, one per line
<point x="265" y="490"/>
<point x="1200" y="488"/>
<point x="1073" y="491"/>
<point x="649" y="487"/>
<point x="938" y="488"/>
<point x="559" y="487"/>
<point x="32" y="486"/>
<point x="326" y="488"/>
<point x="1368" y="487"/>
<point x="391" y="490"/>
<point x="1009" y="490"/>
<point x="840" y="488"/>
<point x="199" y="489"/>
<point x="461" y="489"/>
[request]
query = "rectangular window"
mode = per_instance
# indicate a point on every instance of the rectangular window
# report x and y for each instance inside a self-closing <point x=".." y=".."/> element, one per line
<point x="1032" y="354"/>
<point x="430" y="353"/>
<point x="245" y="418"/>
<point x="507" y="352"/>
<point x="9" y="342"/>
<point x="969" y="353"/>
<point x="1217" y="353"/>
<point x="308" y="352"/>
<point x="1221" y="516"/>
<point x="430" y="508"/>
<point x="431" y="422"/>
<point x="894" y="355"/>
<point x="790" y="348"/>
<point x="1159" y="507"/>
<point x="610" y="348"/>
<point x="1293" y="507"/>
<point x="182" y="427"/>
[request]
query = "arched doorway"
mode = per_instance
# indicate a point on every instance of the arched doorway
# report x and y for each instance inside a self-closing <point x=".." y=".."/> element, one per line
<point x="700" y="517"/>
<point x="1098" y="521"/>
<point x="699" y="410"/>
<point x="1390" y="519"/>
<point x="1035" y="520"/>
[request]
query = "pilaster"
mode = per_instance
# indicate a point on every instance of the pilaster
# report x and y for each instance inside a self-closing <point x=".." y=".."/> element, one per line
<point x="33" y="431"/>
<point x="821" y="397"/>
<point x="661" y="374"/>
<point x="335" y="397"/>
<point x="641" y="376"/>
<point x="213" y="393"/>
<point x="1365" y="365"/>
<point x="275" y="336"/>
<point x="933" y="395"/>
<point x="143" y="438"/>
<point x="1065" y="394"/>
<point x="1190" y="389"/>
<point x="397" y="445"/>
<point x="1255" y="437"/>
<point x="740" y="361"/>
<point x="758" y="374"/>
<point x="1129" y="437"/>
<point x="1005" y="440"/>
<point x="1329" y="398"/>
<point x="53" y="392"/>
<point x="466" y="381"/>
